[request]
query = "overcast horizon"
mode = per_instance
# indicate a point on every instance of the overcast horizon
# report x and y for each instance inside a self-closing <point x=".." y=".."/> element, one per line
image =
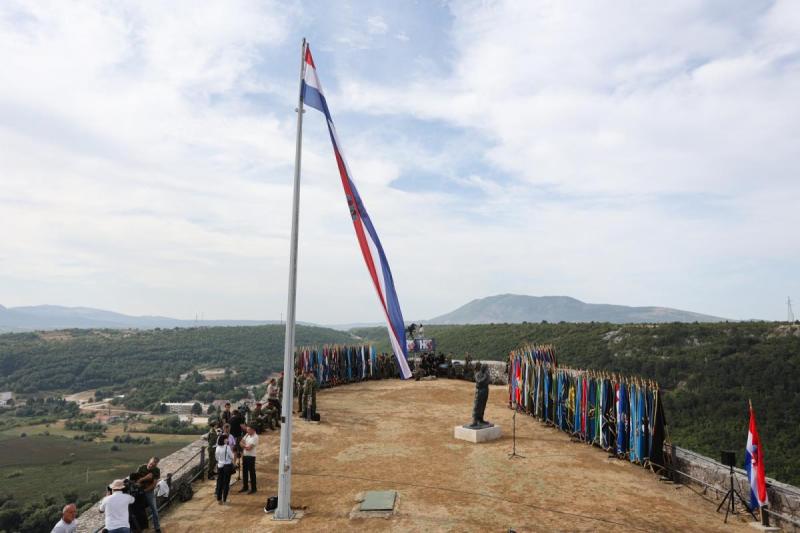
<point x="632" y="154"/>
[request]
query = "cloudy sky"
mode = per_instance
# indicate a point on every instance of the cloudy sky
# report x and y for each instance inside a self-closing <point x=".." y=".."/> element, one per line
<point x="638" y="153"/>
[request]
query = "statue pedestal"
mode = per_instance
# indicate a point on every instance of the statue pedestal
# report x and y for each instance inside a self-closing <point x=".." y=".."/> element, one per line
<point x="477" y="435"/>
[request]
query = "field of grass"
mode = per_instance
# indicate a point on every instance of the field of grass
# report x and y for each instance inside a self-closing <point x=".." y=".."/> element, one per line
<point x="135" y="429"/>
<point x="40" y="465"/>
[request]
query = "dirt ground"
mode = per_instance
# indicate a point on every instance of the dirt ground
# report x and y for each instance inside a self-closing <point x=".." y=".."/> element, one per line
<point x="393" y="435"/>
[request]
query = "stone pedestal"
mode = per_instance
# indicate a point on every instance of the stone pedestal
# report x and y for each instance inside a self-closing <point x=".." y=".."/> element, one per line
<point x="477" y="435"/>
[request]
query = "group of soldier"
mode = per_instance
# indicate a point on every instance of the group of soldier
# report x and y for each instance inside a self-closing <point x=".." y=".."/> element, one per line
<point x="431" y="364"/>
<point x="261" y="418"/>
<point x="306" y="388"/>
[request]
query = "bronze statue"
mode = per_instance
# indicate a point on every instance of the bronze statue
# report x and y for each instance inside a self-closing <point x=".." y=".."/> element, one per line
<point x="481" y="396"/>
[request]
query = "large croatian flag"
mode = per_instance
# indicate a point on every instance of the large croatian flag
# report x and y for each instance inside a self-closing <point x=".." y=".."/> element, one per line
<point x="368" y="240"/>
<point x="754" y="465"/>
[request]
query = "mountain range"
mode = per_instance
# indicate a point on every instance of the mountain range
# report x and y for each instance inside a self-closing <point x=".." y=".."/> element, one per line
<point x="38" y="317"/>
<point x="516" y="308"/>
<point x="503" y="308"/>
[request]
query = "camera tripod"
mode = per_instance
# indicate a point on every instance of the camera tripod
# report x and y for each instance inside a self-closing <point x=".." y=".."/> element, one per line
<point x="730" y="498"/>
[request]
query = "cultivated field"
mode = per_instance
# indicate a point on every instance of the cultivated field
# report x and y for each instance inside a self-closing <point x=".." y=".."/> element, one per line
<point x="39" y="465"/>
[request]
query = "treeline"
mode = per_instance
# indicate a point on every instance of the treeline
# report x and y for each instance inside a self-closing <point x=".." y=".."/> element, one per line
<point x="148" y="362"/>
<point x="708" y="371"/>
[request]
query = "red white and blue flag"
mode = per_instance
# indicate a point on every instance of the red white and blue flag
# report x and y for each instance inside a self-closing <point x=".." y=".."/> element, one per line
<point x="368" y="240"/>
<point x="754" y="465"/>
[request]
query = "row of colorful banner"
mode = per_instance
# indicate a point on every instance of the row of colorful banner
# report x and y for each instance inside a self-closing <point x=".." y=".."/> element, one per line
<point x="336" y="364"/>
<point x="622" y="415"/>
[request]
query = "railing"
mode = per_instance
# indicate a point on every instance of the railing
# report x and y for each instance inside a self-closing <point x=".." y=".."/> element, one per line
<point x="786" y="493"/>
<point x="187" y="472"/>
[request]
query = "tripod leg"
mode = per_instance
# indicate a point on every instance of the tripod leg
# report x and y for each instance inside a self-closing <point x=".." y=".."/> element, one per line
<point x="745" y="504"/>
<point x="722" y="502"/>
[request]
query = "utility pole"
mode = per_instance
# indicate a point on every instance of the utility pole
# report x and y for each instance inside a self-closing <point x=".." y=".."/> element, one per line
<point x="791" y="313"/>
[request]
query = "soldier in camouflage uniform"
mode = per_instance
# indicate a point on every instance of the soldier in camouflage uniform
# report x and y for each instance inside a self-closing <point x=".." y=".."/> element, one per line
<point x="310" y="396"/>
<point x="468" y="371"/>
<point x="211" y="438"/>
<point x="271" y="417"/>
<point x="299" y="384"/>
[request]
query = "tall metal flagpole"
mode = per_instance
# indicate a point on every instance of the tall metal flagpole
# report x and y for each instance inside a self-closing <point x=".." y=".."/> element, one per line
<point x="284" y="510"/>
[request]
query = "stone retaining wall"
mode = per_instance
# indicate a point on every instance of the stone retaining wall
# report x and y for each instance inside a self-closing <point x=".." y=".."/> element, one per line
<point x="702" y="471"/>
<point x="183" y="465"/>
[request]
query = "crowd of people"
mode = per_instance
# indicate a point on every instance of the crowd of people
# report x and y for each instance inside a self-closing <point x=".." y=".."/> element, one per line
<point x="232" y="442"/>
<point x="126" y="504"/>
<point x="233" y="434"/>
<point x="430" y="364"/>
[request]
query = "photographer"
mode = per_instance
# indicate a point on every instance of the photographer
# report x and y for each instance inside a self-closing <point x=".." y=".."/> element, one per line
<point x="236" y="425"/>
<point x="150" y="474"/>
<point x="137" y="511"/>
<point x="115" y="508"/>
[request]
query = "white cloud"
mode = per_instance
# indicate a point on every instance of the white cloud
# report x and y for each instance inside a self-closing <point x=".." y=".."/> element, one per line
<point x="376" y="25"/>
<point x="642" y="155"/>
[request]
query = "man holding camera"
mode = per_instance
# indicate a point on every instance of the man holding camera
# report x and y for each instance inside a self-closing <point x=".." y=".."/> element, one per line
<point x="150" y="475"/>
<point x="115" y="508"/>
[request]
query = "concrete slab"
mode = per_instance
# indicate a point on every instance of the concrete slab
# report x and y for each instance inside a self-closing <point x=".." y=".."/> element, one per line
<point x="379" y="500"/>
<point x="760" y="527"/>
<point x="477" y="435"/>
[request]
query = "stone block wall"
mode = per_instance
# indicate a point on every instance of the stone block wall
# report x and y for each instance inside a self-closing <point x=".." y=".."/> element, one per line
<point x="693" y="468"/>
<point x="183" y="465"/>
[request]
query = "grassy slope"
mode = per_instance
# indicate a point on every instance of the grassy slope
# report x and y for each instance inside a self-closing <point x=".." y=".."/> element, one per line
<point x="38" y="458"/>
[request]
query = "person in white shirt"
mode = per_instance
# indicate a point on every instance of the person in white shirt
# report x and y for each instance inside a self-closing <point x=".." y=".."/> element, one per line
<point x="68" y="522"/>
<point x="248" y="444"/>
<point x="115" y="508"/>
<point x="224" y="455"/>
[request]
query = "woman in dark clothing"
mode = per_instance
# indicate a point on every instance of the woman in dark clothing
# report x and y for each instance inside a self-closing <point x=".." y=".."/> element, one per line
<point x="224" y="455"/>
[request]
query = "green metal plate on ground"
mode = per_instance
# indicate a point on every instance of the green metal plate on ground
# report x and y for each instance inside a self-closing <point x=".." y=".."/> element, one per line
<point x="379" y="500"/>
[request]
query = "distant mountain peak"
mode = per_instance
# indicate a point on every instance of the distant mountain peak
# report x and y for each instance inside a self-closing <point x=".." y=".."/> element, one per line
<point x="515" y="308"/>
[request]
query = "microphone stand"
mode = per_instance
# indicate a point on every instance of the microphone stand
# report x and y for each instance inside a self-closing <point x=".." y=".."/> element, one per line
<point x="514" y="435"/>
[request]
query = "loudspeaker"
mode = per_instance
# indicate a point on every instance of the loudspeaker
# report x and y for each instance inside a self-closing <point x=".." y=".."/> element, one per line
<point x="728" y="458"/>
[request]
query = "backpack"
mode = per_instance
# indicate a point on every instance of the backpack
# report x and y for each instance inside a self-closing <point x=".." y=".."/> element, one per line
<point x="271" y="505"/>
<point x="185" y="492"/>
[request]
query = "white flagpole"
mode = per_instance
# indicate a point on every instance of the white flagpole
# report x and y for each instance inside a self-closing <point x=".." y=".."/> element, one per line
<point x="284" y="510"/>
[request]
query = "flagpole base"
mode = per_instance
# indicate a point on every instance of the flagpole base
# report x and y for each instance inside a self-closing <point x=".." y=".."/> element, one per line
<point x="294" y="516"/>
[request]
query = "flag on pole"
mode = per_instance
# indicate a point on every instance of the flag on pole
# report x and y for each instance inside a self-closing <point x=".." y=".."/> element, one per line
<point x="368" y="240"/>
<point x="754" y="465"/>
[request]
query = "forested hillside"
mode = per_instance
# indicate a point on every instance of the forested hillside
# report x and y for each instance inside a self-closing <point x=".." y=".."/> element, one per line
<point x="709" y="371"/>
<point x="147" y="362"/>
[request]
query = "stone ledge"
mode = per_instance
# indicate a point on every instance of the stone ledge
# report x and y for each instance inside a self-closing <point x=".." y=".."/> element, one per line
<point x="477" y="435"/>
<point x="93" y="519"/>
